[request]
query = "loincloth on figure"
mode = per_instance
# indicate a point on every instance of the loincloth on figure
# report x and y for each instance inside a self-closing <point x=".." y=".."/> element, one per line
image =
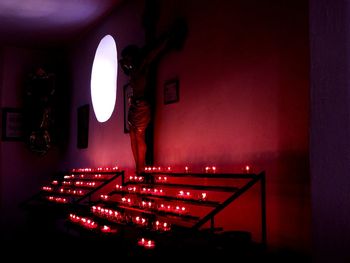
<point x="139" y="115"/>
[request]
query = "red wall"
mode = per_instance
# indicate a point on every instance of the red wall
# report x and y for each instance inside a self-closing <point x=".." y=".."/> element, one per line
<point x="244" y="99"/>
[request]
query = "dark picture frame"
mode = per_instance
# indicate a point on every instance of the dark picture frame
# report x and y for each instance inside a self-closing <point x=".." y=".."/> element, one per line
<point x="12" y="124"/>
<point x="127" y="97"/>
<point x="83" y="115"/>
<point x="171" y="91"/>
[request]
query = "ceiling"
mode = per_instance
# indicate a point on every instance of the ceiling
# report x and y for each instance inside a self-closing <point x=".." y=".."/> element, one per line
<point x="49" y="22"/>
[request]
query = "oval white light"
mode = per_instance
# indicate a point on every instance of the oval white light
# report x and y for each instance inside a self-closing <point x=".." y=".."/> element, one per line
<point x="104" y="79"/>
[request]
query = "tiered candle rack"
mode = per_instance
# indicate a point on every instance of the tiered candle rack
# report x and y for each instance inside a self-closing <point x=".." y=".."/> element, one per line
<point x="156" y="206"/>
<point x="79" y="185"/>
<point x="73" y="187"/>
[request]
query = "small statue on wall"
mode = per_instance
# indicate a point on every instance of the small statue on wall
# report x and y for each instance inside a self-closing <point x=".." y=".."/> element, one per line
<point x="39" y="110"/>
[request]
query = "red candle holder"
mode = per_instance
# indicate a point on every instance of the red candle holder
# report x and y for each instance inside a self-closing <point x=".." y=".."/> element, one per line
<point x="150" y="244"/>
<point x="98" y="176"/>
<point x="210" y="169"/>
<point x="127" y="201"/>
<point x="90" y="184"/>
<point x="183" y="194"/>
<point x="57" y="199"/>
<point x="158" y="191"/>
<point x="108" y="229"/>
<point x="140" y="221"/>
<point x="74" y="218"/>
<point x="119" y="187"/>
<point x="88" y="223"/>
<point x="136" y="178"/>
<point x="161" y="179"/>
<point x="104" y="197"/>
<point x="146" y="243"/>
<point x="180" y="209"/>
<point x="161" y="226"/>
<point x="47" y="188"/>
<point x="132" y="189"/>
<point x="147" y="205"/>
<point x="203" y="196"/>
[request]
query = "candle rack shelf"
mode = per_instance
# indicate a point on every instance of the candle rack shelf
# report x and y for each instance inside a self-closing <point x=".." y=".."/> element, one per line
<point x="78" y="186"/>
<point x="158" y="205"/>
<point x="71" y="189"/>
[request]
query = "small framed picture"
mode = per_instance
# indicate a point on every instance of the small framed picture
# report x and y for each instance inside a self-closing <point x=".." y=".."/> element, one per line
<point x="171" y="91"/>
<point x="12" y="124"/>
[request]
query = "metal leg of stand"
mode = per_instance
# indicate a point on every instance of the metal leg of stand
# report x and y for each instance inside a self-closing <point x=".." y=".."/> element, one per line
<point x="263" y="210"/>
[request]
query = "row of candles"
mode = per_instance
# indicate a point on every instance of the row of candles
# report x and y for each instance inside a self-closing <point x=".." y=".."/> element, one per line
<point x="116" y="216"/>
<point x="57" y="199"/>
<point x="76" y="183"/>
<point x="157" y="191"/>
<point x="47" y="188"/>
<point x="187" y="169"/>
<point x="188" y="195"/>
<point x="64" y="191"/>
<point x="141" y="190"/>
<point x="99" y="169"/>
<point x="146" y="243"/>
<point x="71" y="192"/>
<point x="89" y="176"/>
<point x="67" y="191"/>
<point x="150" y="205"/>
<point x="140" y="179"/>
<point x="67" y="181"/>
<point x="91" y="184"/>
<point x="90" y="224"/>
<point x="207" y="169"/>
<point x="176" y="209"/>
<point x="150" y="169"/>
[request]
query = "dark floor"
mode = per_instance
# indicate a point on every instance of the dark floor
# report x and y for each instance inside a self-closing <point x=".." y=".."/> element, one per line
<point x="52" y="244"/>
<point x="50" y="237"/>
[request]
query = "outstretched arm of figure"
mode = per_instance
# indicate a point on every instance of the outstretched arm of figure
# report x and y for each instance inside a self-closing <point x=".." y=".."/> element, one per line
<point x="172" y="39"/>
<point x="155" y="52"/>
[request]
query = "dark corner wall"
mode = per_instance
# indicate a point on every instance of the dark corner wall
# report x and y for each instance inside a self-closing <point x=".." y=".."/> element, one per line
<point x="329" y="137"/>
<point x="22" y="172"/>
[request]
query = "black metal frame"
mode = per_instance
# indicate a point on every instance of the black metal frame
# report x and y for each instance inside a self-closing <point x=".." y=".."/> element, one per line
<point x="193" y="222"/>
<point x="236" y="192"/>
<point x="94" y="189"/>
<point x="105" y="182"/>
<point x="78" y="199"/>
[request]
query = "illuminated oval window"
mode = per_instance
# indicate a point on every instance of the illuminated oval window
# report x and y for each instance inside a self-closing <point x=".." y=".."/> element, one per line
<point x="104" y="79"/>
